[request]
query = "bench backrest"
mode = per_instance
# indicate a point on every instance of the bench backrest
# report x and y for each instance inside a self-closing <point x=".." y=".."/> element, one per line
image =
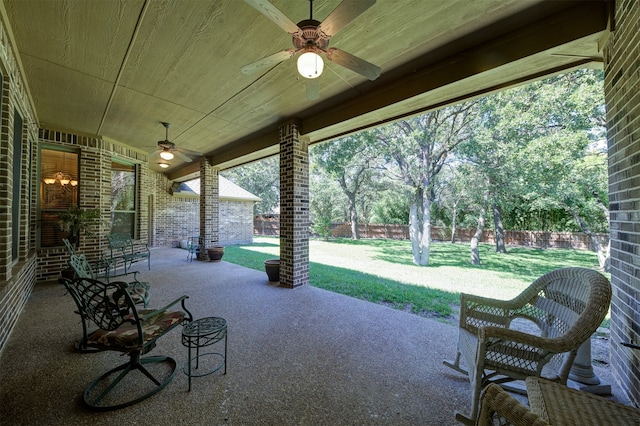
<point x="81" y="266"/>
<point x="121" y="243"/>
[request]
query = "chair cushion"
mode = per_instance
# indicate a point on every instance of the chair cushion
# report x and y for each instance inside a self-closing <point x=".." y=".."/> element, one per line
<point x="125" y="337"/>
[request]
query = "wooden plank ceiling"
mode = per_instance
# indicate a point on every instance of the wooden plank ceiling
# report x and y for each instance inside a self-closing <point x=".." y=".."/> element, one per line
<point x="119" y="68"/>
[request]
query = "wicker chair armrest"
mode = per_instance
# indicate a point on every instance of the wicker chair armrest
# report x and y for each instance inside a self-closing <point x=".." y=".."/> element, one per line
<point x="553" y="345"/>
<point x="512" y="304"/>
<point x="496" y="402"/>
<point x="477" y="311"/>
<point x="164" y="308"/>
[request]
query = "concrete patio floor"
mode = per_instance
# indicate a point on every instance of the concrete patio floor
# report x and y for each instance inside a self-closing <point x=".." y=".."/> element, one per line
<point x="295" y="357"/>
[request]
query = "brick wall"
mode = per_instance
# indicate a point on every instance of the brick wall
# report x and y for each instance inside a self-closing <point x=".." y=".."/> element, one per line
<point x="17" y="277"/>
<point x="236" y="222"/>
<point x="622" y="95"/>
<point x="177" y="217"/>
<point x="96" y="155"/>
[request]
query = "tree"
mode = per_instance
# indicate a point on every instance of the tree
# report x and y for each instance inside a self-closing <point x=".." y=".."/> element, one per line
<point x="391" y="203"/>
<point x="261" y="178"/>
<point x="352" y="162"/>
<point x="418" y="148"/>
<point x="453" y="195"/>
<point x="531" y="134"/>
<point x="324" y="201"/>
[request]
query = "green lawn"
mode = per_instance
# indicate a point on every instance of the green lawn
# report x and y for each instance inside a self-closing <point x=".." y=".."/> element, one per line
<point x="382" y="271"/>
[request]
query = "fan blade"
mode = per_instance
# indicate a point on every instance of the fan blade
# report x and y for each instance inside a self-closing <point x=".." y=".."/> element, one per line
<point x="354" y="63"/>
<point x="182" y="156"/>
<point x="313" y="89"/>
<point x="269" y="61"/>
<point x="154" y="154"/>
<point x="344" y="13"/>
<point x="272" y="12"/>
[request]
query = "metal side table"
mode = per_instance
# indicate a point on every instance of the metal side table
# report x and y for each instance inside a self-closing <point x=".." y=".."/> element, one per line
<point x="198" y="334"/>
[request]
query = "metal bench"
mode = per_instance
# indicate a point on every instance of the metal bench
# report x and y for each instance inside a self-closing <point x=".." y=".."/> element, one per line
<point x="123" y="249"/>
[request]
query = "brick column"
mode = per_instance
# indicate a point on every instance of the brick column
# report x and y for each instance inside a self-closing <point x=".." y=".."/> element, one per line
<point x="294" y="207"/>
<point x="621" y="82"/>
<point x="209" y="207"/>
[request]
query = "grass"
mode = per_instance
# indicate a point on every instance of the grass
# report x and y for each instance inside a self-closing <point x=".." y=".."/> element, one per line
<point x="382" y="271"/>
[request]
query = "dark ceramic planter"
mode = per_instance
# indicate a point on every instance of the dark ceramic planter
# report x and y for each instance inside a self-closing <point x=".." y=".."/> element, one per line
<point x="215" y="253"/>
<point x="272" y="267"/>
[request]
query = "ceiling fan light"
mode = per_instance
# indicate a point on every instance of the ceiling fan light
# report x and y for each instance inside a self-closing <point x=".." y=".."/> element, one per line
<point x="163" y="165"/>
<point x="310" y="65"/>
<point x="166" y="155"/>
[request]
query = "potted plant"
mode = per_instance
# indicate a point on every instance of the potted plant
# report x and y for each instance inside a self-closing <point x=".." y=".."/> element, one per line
<point x="272" y="268"/>
<point x="77" y="221"/>
<point x="215" y="253"/>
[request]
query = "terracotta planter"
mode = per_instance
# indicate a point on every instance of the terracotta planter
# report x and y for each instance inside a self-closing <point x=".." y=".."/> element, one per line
<point x="215" y="253"/>
<point x="272" y="267"/>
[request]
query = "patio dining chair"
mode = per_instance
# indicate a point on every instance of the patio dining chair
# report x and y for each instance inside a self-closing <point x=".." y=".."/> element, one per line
<point x="566" y="306"/>
<point x="193" y="247"/>
<point x="138" y="290"/>
<point x="123" y="328"/>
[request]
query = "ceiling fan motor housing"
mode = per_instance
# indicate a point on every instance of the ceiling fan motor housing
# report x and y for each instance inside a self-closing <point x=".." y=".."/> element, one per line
<point x="309" y="35"/>
<point x="166" y="145"/>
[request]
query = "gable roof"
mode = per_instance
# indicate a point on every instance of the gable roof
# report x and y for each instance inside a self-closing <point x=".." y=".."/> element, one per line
<point x="229" y="191"/>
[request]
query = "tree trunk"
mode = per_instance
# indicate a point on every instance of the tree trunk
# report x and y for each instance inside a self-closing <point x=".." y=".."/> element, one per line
<point x="603" y="256"/>
<point x="477" y="237"/>
<point x="454" y="220"/>
<point x="425" y="242"/>
<point x="414" y="232"/>
<point x="355" y="234"/>
<point x="353" y="215"/>
<point x="497" y="222"/>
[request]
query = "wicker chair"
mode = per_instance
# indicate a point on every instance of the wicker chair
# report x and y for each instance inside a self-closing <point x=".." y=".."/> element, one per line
<point x="567" y="306"/>
<point x="552" y="403"/>
<point x="497" y="407"/>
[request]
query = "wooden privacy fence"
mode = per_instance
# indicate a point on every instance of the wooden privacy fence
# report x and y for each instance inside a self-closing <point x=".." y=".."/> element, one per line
<point x="538" y="239"/>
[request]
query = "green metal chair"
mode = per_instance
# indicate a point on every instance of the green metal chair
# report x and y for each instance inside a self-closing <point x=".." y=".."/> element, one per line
<point x="123" y="328"/>
<point x="193" y="247"/>
<point x="138" y="290"/>
<point x="96" y="267"/>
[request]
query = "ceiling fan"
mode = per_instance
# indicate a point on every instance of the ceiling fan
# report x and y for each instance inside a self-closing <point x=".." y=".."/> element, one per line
<point x="167" y="150"/>
<point x="311" y="38"/>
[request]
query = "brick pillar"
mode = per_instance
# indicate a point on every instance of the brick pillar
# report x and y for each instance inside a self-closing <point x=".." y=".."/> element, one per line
<point x="294" y="207"/>
<point x="621" y="82"/>
<point x="209" y="207"/>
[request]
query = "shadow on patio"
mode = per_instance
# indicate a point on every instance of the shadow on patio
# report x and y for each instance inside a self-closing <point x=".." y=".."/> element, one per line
<point x="302" y="356"/>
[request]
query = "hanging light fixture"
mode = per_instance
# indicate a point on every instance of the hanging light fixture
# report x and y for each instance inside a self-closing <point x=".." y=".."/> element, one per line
<point x="66" y="181"/>
<point x="166" y="154"/>
<point x="163" y="165"/>
<point x="310" y="64"/>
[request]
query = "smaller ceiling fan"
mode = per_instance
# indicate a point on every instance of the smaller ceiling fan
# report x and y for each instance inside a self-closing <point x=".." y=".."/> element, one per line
<point x="311" y="38"/>
<point x="167" y="150"/>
